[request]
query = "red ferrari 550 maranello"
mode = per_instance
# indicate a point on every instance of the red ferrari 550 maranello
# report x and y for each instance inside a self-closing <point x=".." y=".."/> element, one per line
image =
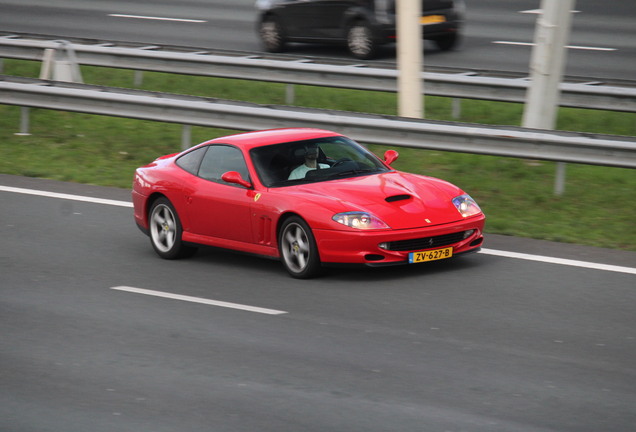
<point x="308" y="197"/>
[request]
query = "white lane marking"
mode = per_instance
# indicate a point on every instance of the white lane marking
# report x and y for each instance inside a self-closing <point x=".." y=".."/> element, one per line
<point x="65" y="196"/>
<point x="568" y="46"/>
<point x="507" y="254"/>
<point x="540" y="11"/>
<point x="198" y="300"/>
<point x="562" y="261"/>
<point x="145" y="17"/>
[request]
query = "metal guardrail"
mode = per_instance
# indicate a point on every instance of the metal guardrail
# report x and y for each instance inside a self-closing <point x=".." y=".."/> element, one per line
<point x="592" y="95"/>
<point x="371" y="129"/>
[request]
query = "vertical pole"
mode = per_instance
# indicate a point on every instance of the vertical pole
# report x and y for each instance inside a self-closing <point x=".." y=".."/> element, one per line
<point x="68" y="68"/>
<point x="546" y="71"/>
<point x="290" y="94"/>
<point x="138" y="79"/>
<point x="186" y="137"/>
<point x="410" y="55"/>
<point x="559" y="178"/>
<point x="46" y="71"/>
<point x="24" y="122"/>
<point x="457" y="108"/>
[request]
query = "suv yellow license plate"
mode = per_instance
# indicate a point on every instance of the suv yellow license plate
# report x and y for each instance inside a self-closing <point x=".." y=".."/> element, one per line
<point x="432" y="19"/>
<point x="430" y="255"/>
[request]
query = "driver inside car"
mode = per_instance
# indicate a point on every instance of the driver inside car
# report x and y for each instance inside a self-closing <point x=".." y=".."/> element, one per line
<point x="310" y="152"/>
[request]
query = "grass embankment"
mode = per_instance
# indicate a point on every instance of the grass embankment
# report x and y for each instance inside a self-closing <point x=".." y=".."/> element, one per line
<point x="517" y="195"/>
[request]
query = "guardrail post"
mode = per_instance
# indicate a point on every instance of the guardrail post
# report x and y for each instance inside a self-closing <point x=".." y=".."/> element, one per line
<point x="24" y="122"/>
<point x="186" y="137"/>
<point x="456" y="108"/>
<point x="290" y="94"/>
<point x="139" y="78"/>
<point x="47" y="62"/>
<point x="559" y="180"/>
<point x="61" y="70"/>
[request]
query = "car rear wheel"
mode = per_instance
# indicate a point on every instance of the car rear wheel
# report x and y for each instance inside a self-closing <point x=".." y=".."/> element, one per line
<point x="271" y="33"/>
<point x="360" y="41"/>
<point x="298" y="249"/>
<point x="165" y="231"/>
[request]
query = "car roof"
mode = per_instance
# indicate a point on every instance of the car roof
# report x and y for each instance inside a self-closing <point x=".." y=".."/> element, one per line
<point x="249" y="140"/>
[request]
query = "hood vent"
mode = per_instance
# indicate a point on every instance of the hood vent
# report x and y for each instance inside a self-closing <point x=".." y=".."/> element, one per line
<point x="397" y="198"/>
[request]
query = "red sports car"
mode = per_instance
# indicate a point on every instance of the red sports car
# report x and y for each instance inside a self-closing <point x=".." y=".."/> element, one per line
<point x="308" y="197"/>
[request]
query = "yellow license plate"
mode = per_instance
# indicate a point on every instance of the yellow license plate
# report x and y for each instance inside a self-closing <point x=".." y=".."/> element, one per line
<point x="432" y="19"/>
<point x="430" y="255"/>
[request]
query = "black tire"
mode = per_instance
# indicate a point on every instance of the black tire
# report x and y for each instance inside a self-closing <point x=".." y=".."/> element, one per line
<point x="165" y="231"/>
<point x="360" y="41"/>
<point x="447" y="43"/>
<point x="272" y="35"/>
<point x="298" y="250"/>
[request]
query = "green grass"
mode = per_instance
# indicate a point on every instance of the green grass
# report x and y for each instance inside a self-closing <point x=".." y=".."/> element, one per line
<point x="517" y="195"/>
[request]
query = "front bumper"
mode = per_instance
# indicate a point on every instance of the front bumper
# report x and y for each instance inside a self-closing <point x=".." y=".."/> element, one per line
<point x="363" y="247"/>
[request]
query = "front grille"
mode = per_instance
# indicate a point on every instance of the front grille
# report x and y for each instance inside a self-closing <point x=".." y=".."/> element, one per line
<point x="424" y="243"/>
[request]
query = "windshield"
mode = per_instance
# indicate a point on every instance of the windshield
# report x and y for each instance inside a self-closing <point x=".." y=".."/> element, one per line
<point x="313" y="160"/>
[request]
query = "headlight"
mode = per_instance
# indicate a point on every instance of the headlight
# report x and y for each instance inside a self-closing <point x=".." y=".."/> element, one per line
<point x="360" y="220"/>
<point x="466" y="205"/>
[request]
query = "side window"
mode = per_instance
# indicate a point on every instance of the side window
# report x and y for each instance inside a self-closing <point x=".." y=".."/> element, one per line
<point x="220" y="159"/>
<point x="191" y="161"/>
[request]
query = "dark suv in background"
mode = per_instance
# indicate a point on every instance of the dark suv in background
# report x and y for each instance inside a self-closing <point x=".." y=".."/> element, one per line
<point x="363" y="25"/>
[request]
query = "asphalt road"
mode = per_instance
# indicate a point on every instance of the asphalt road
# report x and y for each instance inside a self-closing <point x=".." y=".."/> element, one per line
<point x="603" y="34"/>
<point x="482" y="343"/>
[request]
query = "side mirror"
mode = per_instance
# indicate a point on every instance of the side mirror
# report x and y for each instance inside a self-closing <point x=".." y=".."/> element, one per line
<point x="235" y="177"/>
<point x="390" y="156"/>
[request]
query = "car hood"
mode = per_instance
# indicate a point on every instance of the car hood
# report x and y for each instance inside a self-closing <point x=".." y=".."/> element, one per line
<point x="401" y="200"/>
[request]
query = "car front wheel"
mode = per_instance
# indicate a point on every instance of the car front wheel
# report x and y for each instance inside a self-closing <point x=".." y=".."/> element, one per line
<point x="165" y="231"/>
<point x="298" y="250"/>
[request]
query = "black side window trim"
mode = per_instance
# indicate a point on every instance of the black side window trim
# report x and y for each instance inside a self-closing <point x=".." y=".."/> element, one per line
<point x="198" y="165"/>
